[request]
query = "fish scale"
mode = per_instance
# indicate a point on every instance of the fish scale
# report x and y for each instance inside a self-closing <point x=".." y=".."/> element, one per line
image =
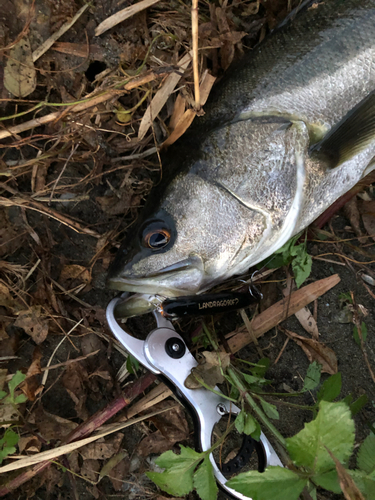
<point x="287" y="131"/>
<point x="300" y="67"/>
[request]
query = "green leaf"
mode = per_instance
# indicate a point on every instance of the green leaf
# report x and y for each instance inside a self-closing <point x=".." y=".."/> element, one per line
<point x="365" y="482"/>
<point x="275" y="483"/>
<point x="205" y="482"/>
<point x="17" y="378"/>
<point x="2" y="394"/>
<point x="240" y="421"/>
<point x="261" y="368"/>
<point x="328" y="480"/>
<point x="7" y="444"/>
<point x="369" y="484"/>
<point x="331" y="388"/>
<point x="21" y="398"/>
<point x="245" y="423"/>
<point x="252" y="380"/>
<point x="132" y="364"/>
<point x="11" y="438"/>
<point x="269" y="409"/>
<point x="366" y="455"/>
<point x="301" y="264"/>
<point x="357" y="406"/>
<point x="177" y="479"/>
<point x="234" y="392"/>
<point x="256" y="434"/>
<point x="311" y="488"/>
<point x="250" y="425"/>
<point x="333" y="428"/>
<point x="312" y="378"/>
<point x="5" y="452"/>
<point x="345" y="297"/>
<point x="364" y="333"/>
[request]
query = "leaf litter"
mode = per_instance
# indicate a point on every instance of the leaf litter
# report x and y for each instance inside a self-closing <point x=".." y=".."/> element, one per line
<point x="77" y="162"/>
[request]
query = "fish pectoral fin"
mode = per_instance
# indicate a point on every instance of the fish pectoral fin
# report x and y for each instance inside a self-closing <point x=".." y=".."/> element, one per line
<point x="350" y="136"/>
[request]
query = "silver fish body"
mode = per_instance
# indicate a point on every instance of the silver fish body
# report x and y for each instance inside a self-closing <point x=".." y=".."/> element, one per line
<point x="289" y="131"/>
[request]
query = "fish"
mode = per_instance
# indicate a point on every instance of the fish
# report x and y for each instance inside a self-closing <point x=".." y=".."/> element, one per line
<point x="286" y="132"/>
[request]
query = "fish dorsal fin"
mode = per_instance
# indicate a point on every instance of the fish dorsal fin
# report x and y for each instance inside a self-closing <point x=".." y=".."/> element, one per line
<point x="350" y="136"/>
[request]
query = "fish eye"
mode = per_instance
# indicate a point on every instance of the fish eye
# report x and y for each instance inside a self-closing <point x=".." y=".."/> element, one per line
<point x="157" y="239"/>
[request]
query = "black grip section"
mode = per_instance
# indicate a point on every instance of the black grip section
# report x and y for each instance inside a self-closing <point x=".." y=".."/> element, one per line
<point x="248" y="446"/>
<point x="213" y="303"/>
<point x="235" y="465"/>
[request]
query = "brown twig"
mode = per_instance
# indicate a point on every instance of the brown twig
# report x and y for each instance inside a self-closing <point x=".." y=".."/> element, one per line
<point x="18" y="201"/>
<point x="56" y="115"/>
<point x="120" y="16"/>
<point x="194" y="32"/>
<point x="85" y="429"/>
<point x="278" y="312"/>
<point x="52" y="39"/>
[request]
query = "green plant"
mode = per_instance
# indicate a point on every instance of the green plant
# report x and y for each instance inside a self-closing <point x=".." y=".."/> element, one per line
<point x="10" y="438"/>
<point x="296" y="255"/>
<point x="309" y="455"/>
<point x="132" y="364"/>
<point x="7" y="444"/>
<point x="13" y="383"/>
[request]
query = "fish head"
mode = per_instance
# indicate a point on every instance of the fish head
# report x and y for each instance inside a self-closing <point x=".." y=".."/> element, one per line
<point x="203" y="229"/>
<point x="188" y="244"/>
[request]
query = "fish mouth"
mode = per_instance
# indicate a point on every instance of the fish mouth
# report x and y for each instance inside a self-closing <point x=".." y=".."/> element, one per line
<point x="172" y="281"/>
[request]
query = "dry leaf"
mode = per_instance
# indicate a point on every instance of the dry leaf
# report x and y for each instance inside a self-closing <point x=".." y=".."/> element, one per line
<point x="347" y="485"/>
<point x="172" y="428"/>
<point x="154" y="443"/>
<point x="352" y="213"/>
<point x="119" y="472"/>
<point x="205" y="86"/>
<point x="33" y="324"/>
<point x="210" y="371"/>
<point x="29" y="444"/>
<point x="19" y="72"/>
<point x="123" y="14"/>
<point x="90" y="469"/>
<point x="51" y="426"/>
<point x="304" y="316"/>
<point x="73" y="380"/>
<point x="162" y="95"/>
<point x="80" y="50"/>
<point x="102" y="448"/>
<point x="315" y="351"/>
<point x="75" y="272"/>
<point x="181" y="122"/>
<point x="178" y="111"/>
<point x="6" y="300"/>
<point x="367" y="209"/>
<point x="217" y="359"/>
<point x="31" y="386"/>
<point x="8" y="413"/>
<point x="182" y="125"/>
<point x="308" y="322"/>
